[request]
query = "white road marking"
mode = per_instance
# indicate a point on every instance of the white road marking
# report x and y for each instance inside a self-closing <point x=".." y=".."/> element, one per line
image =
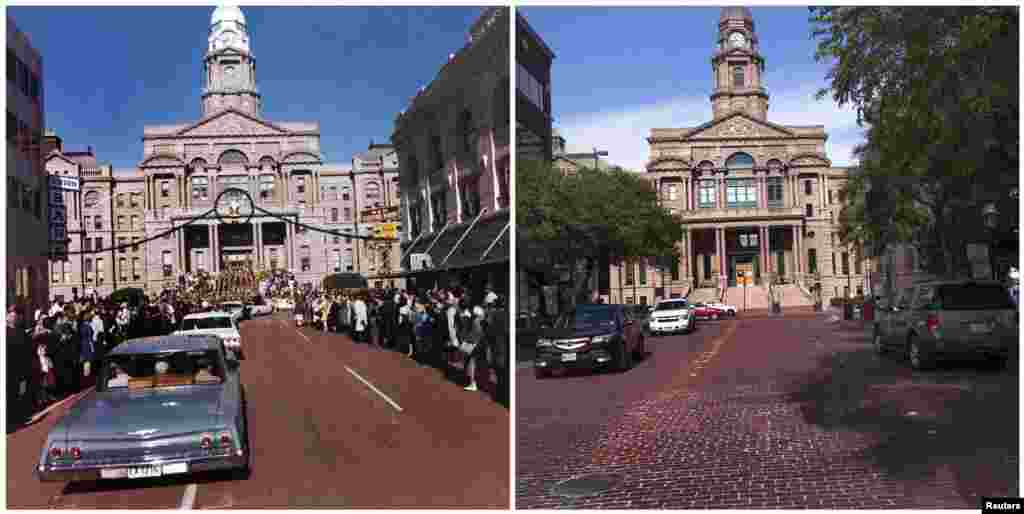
<point x="189" y="498"/>
<point x="46" y="411"/>
<point x="374" y="389"/>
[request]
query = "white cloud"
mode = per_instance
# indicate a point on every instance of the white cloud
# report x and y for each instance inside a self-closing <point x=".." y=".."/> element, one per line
<point x="623" y="133"/>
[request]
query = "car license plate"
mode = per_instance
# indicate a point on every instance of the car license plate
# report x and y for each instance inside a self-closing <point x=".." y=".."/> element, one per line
<point x="145" y="471"/>
<point x="568" y="357"/>
<point x="980" y="328"/>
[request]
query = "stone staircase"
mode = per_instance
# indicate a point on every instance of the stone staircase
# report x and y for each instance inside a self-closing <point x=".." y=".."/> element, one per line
<point x="756" y="298"/>
<point x="790" y="295"/>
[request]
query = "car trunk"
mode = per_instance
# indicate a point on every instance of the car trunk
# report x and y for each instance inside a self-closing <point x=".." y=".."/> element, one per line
<point x="975" y="313"/>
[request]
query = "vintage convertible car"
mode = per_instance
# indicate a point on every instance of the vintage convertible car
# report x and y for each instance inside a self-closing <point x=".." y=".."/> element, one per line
<point x="163" y="405"/>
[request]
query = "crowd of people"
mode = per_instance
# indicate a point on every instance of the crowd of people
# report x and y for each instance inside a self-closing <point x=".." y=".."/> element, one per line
<point x="433" y="327"/>
<point x="53" y="352"/>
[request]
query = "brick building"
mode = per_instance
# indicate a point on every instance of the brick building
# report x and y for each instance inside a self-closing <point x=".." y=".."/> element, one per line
<point x="187" y="166"/>
<point x="27" y="213"/>
<point x="453" y="148"/>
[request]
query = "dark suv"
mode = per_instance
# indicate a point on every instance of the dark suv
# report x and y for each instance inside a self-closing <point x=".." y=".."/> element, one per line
<point x="592" y="336"/>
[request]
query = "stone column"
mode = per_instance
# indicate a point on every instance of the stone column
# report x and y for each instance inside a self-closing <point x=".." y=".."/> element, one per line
<point x="766" y="266"/>
<point x="764" y="192"/>
<point x="689" y="255"/>
<point x="691" y="185"/>
<point x="720" y="193"/>
<point x="797" y="260"/>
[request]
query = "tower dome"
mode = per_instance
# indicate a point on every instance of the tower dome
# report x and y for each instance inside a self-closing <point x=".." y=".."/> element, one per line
<point x="227" y="13"/>
<point x="736" y="12"/>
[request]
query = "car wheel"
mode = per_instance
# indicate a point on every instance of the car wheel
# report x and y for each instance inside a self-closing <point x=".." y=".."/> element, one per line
<point x="918" y="358"/>
<point x="876" y="339"/>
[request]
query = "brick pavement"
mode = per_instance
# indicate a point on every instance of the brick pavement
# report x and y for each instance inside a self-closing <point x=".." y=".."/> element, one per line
<point x="797" y="412"/>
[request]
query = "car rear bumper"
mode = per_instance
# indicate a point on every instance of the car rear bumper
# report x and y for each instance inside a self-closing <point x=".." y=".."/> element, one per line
<point x="49" y="473"/>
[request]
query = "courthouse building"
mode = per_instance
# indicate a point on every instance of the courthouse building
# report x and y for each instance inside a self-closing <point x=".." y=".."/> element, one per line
<point x="453" y="146"/>
<point x="186" y="166"/>
<point x="27" y="216"/>
<point x="754" y="196"/>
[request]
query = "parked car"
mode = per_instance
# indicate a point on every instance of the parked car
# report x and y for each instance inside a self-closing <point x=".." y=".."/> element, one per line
<point x="942" y="319"/>
<point x="166" y="405"/>
<point x="219" y="323"/>
<point x="591" y="336"/>
<point x="670" y="316"/>
<point x="706" y="311"/>
<point x="234" y="308"/>
<point x="728" y="310"/>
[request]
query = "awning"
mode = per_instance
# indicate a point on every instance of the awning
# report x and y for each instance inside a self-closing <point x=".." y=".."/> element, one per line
<point x="487" y="243"/>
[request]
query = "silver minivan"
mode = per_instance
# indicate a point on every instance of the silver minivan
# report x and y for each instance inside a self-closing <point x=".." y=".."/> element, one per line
<point x="955" y="318"/>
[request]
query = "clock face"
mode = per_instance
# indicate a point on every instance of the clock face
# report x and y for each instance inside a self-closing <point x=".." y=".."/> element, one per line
<point x="737" y="39"/>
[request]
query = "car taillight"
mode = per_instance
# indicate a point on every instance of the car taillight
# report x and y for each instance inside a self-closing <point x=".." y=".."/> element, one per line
<point x="933" y="323"/>
<point x="225" y="439"/>
<point x="76" y="453"/>
<point x="206" y="442"/>
<point x="56" y="452"/>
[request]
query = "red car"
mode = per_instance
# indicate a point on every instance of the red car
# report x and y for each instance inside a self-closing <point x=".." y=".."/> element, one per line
<point x="705" y="311"/>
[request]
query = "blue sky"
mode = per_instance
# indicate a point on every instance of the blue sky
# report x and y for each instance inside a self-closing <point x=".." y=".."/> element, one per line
<point x="111" y="70"/>
<point x="619" y="72"/>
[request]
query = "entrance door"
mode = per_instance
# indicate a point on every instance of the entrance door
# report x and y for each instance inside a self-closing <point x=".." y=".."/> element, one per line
<point x="780" y="260"/>
<point x="747" y="263"/>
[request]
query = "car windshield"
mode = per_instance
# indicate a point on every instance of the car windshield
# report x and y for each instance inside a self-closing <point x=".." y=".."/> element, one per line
<point x="158" y="370"/>
<point x="588" y="317"/>
<point x="972" y="297"/>
<point x="206" y="323"/>
<point x="671" y="306"/>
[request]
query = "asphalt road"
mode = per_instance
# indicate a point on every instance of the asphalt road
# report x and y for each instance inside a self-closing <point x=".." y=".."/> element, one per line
<point x="334" y="424"/>
<point x="787" y="412"/>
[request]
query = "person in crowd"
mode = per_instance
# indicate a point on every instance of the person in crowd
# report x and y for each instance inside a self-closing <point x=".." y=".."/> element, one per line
<point x="65" y="356"/>
<point x="498" y="341"/>
<point x="422" y="329"/>
<point x="123" y="319"/>
<point x="359" y="318"/>
<point x="98" y="333"/>
<point x="44" y="376"/>
<point x="87" y="349"/>
<point x="388" y="320"/>
<point x="471" y="337"/>
<point x="55" y="307"/>
<point x="404" y="331"/>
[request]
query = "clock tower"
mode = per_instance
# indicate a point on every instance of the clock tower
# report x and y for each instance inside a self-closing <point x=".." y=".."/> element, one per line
<point x="737" y="67"/>
<point x="229" y="69"/>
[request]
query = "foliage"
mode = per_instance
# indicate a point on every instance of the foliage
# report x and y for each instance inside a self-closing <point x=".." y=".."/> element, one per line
<point x="938" y="87"/>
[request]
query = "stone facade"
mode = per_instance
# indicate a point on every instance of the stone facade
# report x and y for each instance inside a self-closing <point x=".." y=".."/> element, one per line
<point x="453" y="145"/>
<point x="752" y="195"/>
<point x="27" y="211"/>
<point x="186" y="167"/>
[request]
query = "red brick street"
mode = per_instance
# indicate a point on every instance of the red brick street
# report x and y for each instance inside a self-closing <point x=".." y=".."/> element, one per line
<point x="320" y="437"/>
<point x="768" y="412"/>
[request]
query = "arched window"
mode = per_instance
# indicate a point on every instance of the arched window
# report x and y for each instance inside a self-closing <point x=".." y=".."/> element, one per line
<point x="233" y="157"/>
<point x="706" y="166"/>
<point x="739" y="160"/>
<point x="91" y="198"/>
<point x="198" y="164"/>
<point x="267" y="162"/>
<point x="372" y="191"/>
<point x="120" y="199"/>
<point x="737" y="76"/>
<point x="774" y="165"/>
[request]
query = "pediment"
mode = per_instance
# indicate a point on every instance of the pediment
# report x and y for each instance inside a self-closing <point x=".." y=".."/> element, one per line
<point x="668" y="164"/>
<point x="232" y="123"/>
<point x="54" y="154"/>
<point x="162" y="160"/>
<point x="809" y="160"/>
<point x="739" y="125"/>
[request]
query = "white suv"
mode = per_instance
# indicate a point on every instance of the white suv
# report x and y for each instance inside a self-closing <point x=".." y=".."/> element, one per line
<point x="671" y="316"/>
<point x="221" y="324"/>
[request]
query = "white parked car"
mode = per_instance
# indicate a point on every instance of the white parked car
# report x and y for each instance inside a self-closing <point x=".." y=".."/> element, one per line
<point x="219" y="323"/>
<point x="671" y="316"/>
<point x="233" y="308"/>
<point x="730" y="310"/>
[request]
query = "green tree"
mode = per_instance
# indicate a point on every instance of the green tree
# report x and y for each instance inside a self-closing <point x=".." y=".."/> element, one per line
<point x="938" y="89"/>
<point x="590" y="217"/>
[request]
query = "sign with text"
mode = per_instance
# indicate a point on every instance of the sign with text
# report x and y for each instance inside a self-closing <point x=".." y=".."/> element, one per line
<point x="380" y="214"/>
<point x="64" y="183"/>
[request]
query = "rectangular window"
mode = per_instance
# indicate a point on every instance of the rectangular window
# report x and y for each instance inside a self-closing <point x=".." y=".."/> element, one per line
<point x="334" y="214"/>
<point x="846" y="263"/>
<point x="135" y="244"/>
<point x="135" y="222"/>
<point x="98" y="222"/>
<point x="741" y="193"/>
<point x="630" y="272"/>
<point x="810" y="210"/>
<point x="266" y="187"/>
<point x="200" y="188"/>
<point x="835" y="269"/>
<point x="775" y="198"/>
<point x="134" y="200"/>
<point x="120" y="201"/>
<point x="830" y="197"/>
<point x="706" y="194"/>
<point x="99" y="243"/>
<point x="301" y="185"/>
<point x="165" y="188"/>
<point x="530" y="87"/>
<point x="122" y="244"/>
<point x="55" y="271"/>
<point x="101" y="272"/>
<point x="336" y="260"/>
<point x="120" y="222"/>
<point x="168" y="263"/>
<point x="123" y="269"/>
<point x="812" y="260"/>
<point x="136" y="268"/>
<point x="737" y="76"/>
<point x="857" y="263"/>
<point x="808" y="187"/>
<point x="88" y="245"/>
<point x="88" y="269"/>
<point x="305" y="264"/>
<point x="643" y="271"/>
